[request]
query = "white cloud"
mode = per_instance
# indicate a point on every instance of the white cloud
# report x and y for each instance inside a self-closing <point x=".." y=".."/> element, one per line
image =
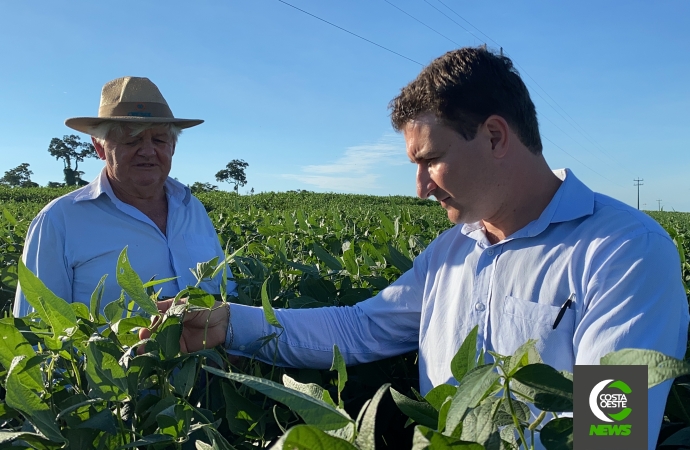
<point x="358" y="169"/>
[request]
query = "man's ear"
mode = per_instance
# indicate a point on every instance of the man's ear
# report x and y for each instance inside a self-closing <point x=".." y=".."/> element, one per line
<point x="499" y="135"/>
<point x="99" y="148"/>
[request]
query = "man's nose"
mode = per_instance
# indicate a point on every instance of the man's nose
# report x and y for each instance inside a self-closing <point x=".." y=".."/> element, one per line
<point x="425" y="185"/>
<point x="147" y="148"/>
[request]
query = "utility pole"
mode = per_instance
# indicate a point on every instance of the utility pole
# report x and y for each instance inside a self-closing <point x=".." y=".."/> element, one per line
<point x="659" y="204"/>
<point x="638" y="183"/>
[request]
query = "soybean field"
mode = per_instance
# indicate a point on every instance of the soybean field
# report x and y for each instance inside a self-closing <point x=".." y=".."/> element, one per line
<point x="86" y="388"/>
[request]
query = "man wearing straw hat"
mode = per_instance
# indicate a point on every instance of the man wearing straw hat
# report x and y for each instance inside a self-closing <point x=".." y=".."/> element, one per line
<point x="133" y="203"/>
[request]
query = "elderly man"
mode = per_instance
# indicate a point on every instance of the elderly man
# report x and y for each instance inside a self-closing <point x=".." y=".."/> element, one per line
<point x="531" y="246"/>
<point x="133" y="203"/>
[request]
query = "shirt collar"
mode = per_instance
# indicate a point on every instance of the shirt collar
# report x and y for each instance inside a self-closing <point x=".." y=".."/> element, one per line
<point x="175" y="191"/>
<point x="572" y="200"/>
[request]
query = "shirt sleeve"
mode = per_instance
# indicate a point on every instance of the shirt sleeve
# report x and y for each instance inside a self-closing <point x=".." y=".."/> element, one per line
<point x="44" y="255"/>
<point x="382" y="326"/>
<point x="635" y="299"/>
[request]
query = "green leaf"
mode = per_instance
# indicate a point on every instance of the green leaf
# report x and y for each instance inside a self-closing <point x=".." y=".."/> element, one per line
<point x="525" y="354"/>
<point x="311" y="389"/>
<point x="183" y="380"/>
<point x="659" y="366"/>
<point x="553" y="391"/>
<point x="438" y="395"/>
<point x="400" y="261"/>
<point x="425" y="438"/>
<point x="9" y="217"/>
<point x="305" y="437"/>
<point x="199" y="297"/>
<point x="154" y="282"/>
<point x="465" y="359"/>
<point x="475" y="385"/>
<point x="128" y="280"/>
<point x="366" y="439"/>
<point x="104" y="421"/>
<point x="268" y="309"/>
<point x="557" y="434"/>
<point x="51" y="309"/>
<point x="303" y="267"/>
<point x="305" y="302"/>
<point x="443" y="417"/>
<point x="387" y="224"/>
<point x="339" y="365"/>
<point x="105" y="375"/>
<point x="420" y="412"/>
<point x="327" y="258"/>
<point x="30" y="438"/>
<point x="113" y="310"/>
<point x="205" y="269"/>
<point x="21" y="395"/>
<point x="241" y="413"/>
<point x="314" y="412"/>
<point x="96" y="297"/>
<point x="13" y="344"/>
<point x="168" y="336"/>
<point x="351" y="262"/>
<point x="478" y="425"/>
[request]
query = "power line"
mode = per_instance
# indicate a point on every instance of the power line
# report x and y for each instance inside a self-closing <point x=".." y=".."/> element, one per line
<point x="554" y="124"/>
<point x="446" y="15"/>
<point x="414" y="18"/>
<point x="480" y="31"/>
<point x="572" y="122"/>
<point x="350" y="32"/>
<point x="561" y="149"/>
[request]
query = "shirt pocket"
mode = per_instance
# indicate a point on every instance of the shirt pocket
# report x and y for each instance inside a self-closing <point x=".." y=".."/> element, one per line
<point x="516" y="321"/>
<point x="201" y="248"/>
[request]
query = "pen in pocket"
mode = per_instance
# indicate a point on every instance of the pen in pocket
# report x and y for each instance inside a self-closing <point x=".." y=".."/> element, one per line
<point x="561" y="313"/>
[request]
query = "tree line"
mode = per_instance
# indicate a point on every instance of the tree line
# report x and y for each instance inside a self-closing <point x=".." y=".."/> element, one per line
<point x="71" y="150"/>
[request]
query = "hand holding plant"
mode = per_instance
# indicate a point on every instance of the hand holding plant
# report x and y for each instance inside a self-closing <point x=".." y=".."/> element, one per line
<point x="201" y="329"/>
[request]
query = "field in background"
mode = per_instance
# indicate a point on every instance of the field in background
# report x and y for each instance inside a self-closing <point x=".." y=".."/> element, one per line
<point x="315" y="250"/>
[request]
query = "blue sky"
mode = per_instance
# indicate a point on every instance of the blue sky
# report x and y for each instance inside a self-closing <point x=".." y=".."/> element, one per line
<point x="305" y="104"/>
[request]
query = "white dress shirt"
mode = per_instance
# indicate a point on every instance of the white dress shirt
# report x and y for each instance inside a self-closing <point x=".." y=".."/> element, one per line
<point x="621" y="267"/>
<point x="77" y="238"/>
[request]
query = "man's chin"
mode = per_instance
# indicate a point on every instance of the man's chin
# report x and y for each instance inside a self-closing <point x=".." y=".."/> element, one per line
<point x="454" y="216"/>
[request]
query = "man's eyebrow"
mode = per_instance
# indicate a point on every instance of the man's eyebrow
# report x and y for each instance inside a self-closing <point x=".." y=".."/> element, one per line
<point x="421" y="156"/>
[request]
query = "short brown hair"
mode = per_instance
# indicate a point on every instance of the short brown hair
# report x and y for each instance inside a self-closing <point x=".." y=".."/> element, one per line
<point x="463" y="88"/>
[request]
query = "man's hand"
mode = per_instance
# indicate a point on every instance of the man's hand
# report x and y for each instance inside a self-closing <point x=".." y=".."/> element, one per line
<point x="196" y="325"/>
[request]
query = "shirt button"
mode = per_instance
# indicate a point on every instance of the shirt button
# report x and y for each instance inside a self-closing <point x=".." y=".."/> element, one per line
<point x="490" y="252"/>
<point x="479" y="306"/>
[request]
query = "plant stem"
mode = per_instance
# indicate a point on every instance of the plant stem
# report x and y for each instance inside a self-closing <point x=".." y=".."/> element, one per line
<point x="123" y="433"/>
<point x="518" y="426"/>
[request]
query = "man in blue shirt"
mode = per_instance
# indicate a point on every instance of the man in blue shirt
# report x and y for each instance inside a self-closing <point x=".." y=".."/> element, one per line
<point x="535" y="253"/>
<point x="77" y="238"/>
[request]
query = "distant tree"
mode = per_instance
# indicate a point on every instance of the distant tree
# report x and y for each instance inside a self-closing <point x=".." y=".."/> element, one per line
<point x="202" y="187"/>
<point x="55" y="184"/>
<point x="234" y="173"/>
<point x="70" y="149"/>
<point x="20" y="176"/>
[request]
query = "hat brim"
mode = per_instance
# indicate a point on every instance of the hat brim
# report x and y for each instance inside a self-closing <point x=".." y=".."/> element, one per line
<point x="86" y="124"/>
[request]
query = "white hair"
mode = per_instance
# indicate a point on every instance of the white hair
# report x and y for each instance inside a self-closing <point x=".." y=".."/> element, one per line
<point x="106" y="129"/>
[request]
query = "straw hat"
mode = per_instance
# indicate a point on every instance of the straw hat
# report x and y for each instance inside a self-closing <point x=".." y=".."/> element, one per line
<point x="130" y="99"/>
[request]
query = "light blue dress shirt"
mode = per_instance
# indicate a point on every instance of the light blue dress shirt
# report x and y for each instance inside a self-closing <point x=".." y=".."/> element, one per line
<point x="77" y="238"/>
<point x="621" y="267"/>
